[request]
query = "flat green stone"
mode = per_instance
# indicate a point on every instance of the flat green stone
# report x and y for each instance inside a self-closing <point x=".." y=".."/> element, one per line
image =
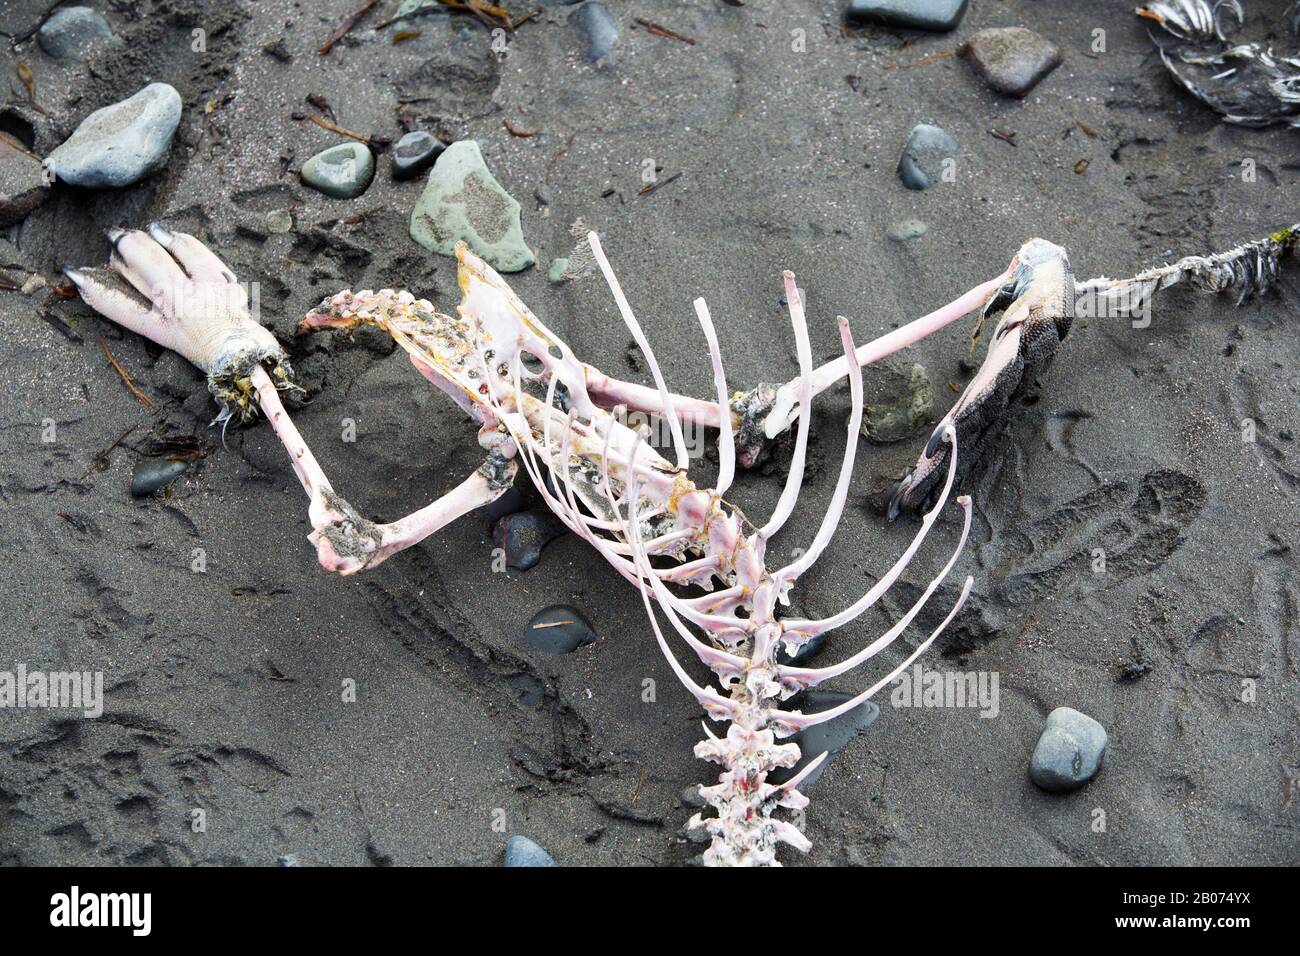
<point x="463" y="202"/>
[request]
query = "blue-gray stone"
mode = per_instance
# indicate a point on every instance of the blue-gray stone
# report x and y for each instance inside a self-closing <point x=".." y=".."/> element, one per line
<point x="1070" y="751"/>
<point x="937" y="16"/>
<point x="521" y="851"/>
<point x="70" y="31"/>
<point x="598" y="24"/>
<point x="154" y="474"/>
<point x="343" y="171"/>
<point x="522" y="535"/>
<point x="414" y="153"/>
<point x="809" y="648"/>
<point x="559" y="629"/>
<point x="926" y="148"/>
<point x="119" y="144"/>
<point x="1012" y="60"/>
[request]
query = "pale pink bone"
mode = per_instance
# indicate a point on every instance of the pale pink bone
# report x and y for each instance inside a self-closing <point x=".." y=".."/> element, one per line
<point x="794" y="480"/>
<point x="793" y="722"/>
<point x="798" y="631"/>
<point x="789" y="574"/>
<point x="783" y="411"/>
<point x="326" y="508"/>
<point x="726" y="437"/>
<point x="629" y="319"/>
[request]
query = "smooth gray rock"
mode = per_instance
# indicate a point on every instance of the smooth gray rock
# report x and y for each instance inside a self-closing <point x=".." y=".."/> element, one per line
<point x="923" y="154"/>
<point x="937" y="16"/>
<point x="1012" y="60"/>
<point x="1069" y="752"/>
<point x="22" y="183"/>
<point x="521" y="851"/>
<point x="70" y="31"/>
<point x="279" y="221"/>
<point x="343" y="171"/>
<point x="414" y="153"/>
<point x="559" y="629"/>
<point x="597" y="23"/>
<point x="463" y="201"/>
<point x="154" y="474"/>
<point x="119" y="144"/>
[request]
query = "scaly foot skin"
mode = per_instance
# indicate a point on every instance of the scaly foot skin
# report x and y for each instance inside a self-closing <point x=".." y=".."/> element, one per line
<point x="170" y="288"/>
<point x="345" y="541"/>
<point x="1038" y="301"/>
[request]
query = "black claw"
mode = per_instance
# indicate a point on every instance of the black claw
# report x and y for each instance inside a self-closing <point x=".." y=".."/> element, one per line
<point x="936" y="439"/>
<point x="896" y="500"/>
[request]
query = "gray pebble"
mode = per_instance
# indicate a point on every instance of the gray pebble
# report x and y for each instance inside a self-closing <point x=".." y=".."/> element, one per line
<point x="1012" y="60"/>
<point x="521" y="851"/>
<point x="70" y="31"/>
<point x="119" y="144"/>
<point x="937" y="16"/>
<point x="414" y="153"/>
<point x="830" y="737"/>
<point x="691" y="797"/>
<point x="522" y="536"/>
<point x="343" y="171"/>
<point x="923" y="154"/>
<point x="279" y="221"/>
<point x="154" y="474"/>
<point x="559" y="266"/>
<point x="1069" y="752"/>
<point x="545" y="196"/>
<point x="598" y="24"/>
<point x="559" y="629"/>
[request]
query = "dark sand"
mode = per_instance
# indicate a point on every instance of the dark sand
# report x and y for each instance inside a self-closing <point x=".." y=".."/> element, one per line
<point x="223" y="689"/>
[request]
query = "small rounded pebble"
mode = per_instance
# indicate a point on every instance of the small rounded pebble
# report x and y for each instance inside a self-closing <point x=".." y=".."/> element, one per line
<point x="545" y="195"/>
<point x="559" y="629"/>
<point x="521" y="851"/>
<point x="524" y="534"/>
<point x="1012" y="60"/>
<point x="1069" y="752"/>
<point x="279" y="221"/>
<point x="927" y="146"/>
<point x="557" y="270"/>
<point x="414" y="153"/>
<point x="595" y="20"/>
<point x="343" y="171"/>
<point x="154" y="474"/>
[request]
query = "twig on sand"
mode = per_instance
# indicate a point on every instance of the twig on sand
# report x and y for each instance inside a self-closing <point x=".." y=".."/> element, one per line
<point x="344" y="27"/>
<point x="942" y="54"/>
<point x="521" y="133"/>
<point x="323" y="123"/>
<point x="649" y="188"/>
<point x="126" y="378"/>
<point x="664" y="32"/>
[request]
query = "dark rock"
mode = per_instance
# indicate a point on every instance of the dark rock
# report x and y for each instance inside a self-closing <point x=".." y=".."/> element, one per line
<point x="937" y="16"/>
<point x="595" y="20"/>
<point x="521" y="851"/>
<point x="414" y="153"/>
<point x="1069" y="752"/>
<point x="923" y="153"/>
<point x="277" y="49"/>
<point x="153" y="474"/>
<point x="559" y="629"/>
<point x="830" y="737"/>
<point x="23" y="184"/>
<point x="524" y="534"/>
<point x="1012" y="60"/>
<point x="71" y="31"/>
<point x="545" y="195"/>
